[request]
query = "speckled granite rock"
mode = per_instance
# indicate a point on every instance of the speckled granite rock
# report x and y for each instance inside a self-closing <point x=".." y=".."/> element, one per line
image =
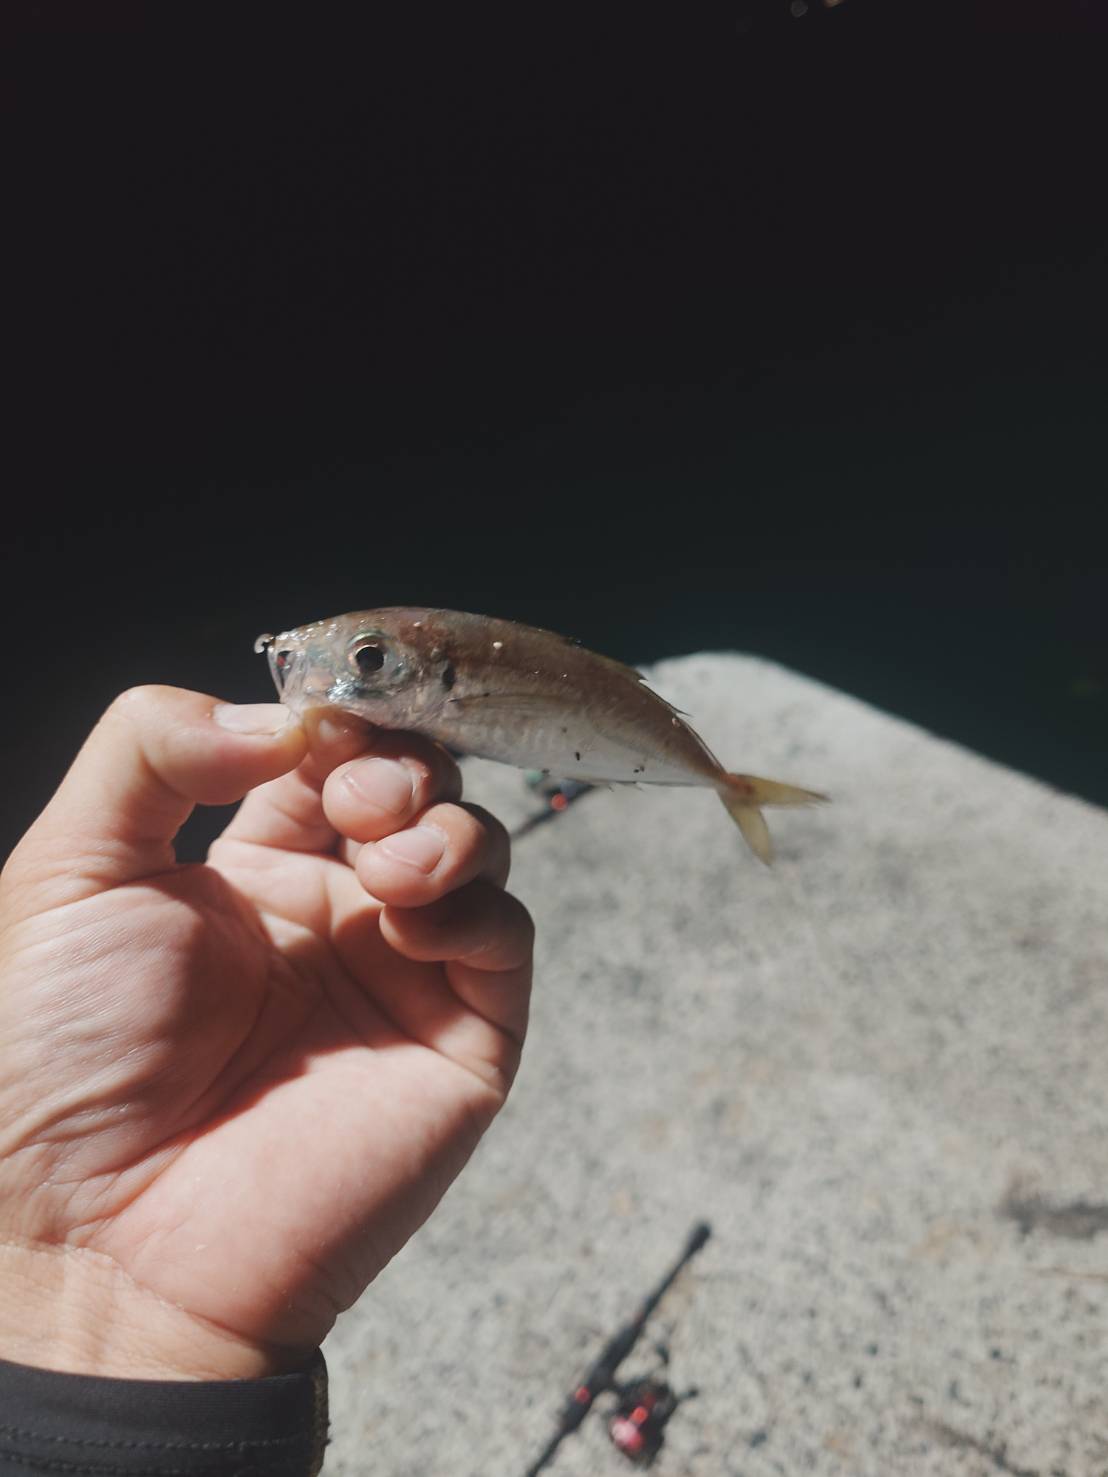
<point x="880" y="1071"/>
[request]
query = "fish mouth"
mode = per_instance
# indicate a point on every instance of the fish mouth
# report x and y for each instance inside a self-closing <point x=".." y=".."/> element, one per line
<point x="299" y="684"/>
<point x="283" y="660"/>
<point x="280" y="668"/>
<point x="278" y="658"/>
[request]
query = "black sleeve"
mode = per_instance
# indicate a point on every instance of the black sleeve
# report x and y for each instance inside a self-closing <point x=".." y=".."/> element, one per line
<point x="74" y="1425"/>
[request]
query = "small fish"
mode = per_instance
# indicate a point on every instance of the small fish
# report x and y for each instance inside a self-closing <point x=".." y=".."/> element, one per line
<point x="513" y="693"/>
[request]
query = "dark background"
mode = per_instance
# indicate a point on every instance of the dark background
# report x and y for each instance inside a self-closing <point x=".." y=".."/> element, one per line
<point x="734" y="326"/>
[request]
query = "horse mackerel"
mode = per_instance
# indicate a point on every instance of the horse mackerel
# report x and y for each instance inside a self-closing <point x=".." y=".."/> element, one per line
<point x="513" y="693"/>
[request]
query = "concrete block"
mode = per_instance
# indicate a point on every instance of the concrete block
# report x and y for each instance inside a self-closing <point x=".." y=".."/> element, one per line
<point x="879" y="1071"/>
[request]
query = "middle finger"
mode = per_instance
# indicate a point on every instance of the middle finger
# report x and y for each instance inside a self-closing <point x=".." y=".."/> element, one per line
<point x="373" y="796"/>
<point x="448" y="847"/>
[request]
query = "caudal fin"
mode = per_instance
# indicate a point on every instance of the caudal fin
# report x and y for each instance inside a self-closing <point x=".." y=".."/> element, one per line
<point x="744" y="794"/>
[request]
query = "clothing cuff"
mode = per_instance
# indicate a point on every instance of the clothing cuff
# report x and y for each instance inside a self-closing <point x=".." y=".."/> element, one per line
<point x="87" y="1426"/>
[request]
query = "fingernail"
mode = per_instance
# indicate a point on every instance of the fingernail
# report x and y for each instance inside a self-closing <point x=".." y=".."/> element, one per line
<point x="333" y="729"/>
<point x="251" y="717"/>
<point x="421" y="847"/>
<point x="383" y="783"/>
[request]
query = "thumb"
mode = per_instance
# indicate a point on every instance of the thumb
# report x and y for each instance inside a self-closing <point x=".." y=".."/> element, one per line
<point x="155" y="754"/>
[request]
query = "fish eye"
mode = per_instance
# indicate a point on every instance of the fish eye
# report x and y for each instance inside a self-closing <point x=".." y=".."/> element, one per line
<point x="369" y="660"/>
<point x="370" y="656"/>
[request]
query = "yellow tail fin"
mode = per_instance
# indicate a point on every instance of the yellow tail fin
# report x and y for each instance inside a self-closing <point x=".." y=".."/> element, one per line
<point x="743" y="794"/>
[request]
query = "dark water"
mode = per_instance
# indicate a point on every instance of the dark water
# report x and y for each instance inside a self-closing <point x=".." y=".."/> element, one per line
<point x="749" y="331"/>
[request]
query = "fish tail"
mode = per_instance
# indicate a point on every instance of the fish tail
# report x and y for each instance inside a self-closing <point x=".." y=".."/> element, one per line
<point x="743" y="796"/>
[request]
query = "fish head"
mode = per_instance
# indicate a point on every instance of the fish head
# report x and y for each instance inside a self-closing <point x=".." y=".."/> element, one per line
<point x="377" y="664"/>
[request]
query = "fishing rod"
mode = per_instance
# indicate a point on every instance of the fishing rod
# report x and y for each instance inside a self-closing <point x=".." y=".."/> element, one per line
<point x="559" y="795"/>
<point x="601" y="1374"/>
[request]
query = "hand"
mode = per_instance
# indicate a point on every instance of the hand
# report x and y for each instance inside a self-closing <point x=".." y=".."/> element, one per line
<point x="230" y="1092"/>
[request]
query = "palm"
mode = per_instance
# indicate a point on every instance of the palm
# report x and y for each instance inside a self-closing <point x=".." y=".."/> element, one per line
<point x="286" y="1097"/>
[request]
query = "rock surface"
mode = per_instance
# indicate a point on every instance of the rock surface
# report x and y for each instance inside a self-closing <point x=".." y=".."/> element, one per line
<point x="879" y="1070"/>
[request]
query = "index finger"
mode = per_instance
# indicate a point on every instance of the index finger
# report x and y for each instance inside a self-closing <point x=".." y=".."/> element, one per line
<point x="289" y="814"/>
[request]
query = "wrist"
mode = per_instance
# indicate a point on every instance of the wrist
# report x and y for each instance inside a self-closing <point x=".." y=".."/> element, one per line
<point x="71" y="1309"/>
<point x="59" y="1423"/>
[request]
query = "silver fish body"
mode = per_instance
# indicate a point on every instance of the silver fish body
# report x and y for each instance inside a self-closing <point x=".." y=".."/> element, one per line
<point x="509" y="692"/>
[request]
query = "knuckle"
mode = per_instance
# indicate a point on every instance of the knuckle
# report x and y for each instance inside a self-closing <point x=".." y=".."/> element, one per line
<point x="528" y="929"/>
<point x="136" y="702"/>
<point x="521" y="919"/>
<point x="490" y="824"/>
<point x="151" y="705"/>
